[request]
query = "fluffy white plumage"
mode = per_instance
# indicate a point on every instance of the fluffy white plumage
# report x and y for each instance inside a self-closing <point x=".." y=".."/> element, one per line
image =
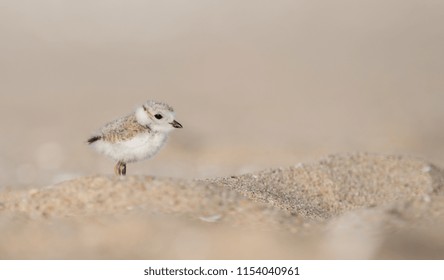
<point x="140" y="147"/>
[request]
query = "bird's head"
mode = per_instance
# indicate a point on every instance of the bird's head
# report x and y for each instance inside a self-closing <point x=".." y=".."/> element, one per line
<point x="157" y="116"/>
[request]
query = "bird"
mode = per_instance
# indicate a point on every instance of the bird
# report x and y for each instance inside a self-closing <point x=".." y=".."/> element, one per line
<point x="137" y="136"/>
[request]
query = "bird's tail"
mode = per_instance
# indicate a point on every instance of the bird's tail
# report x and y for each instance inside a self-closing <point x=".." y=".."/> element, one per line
<point x="94" y="139"/>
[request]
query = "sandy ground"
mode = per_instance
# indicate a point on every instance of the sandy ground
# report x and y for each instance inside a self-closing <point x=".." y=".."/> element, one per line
<point x="345" y="206"/>
<point x="265" y="91"/>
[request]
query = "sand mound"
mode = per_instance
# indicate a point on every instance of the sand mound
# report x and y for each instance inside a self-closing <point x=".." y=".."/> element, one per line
<point x="345" y="206"/>
<point x="340" y="183"/>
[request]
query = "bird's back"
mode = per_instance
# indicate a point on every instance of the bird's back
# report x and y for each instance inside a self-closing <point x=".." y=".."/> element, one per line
<point x="122" y="129"/>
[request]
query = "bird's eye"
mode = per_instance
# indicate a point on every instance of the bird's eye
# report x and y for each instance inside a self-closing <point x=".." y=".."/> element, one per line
<point x="158" y="116"/>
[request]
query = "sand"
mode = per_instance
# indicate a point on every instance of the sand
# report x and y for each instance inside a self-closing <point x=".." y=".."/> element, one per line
<point x="312" y="129"/>
<point x="362" y="206"/>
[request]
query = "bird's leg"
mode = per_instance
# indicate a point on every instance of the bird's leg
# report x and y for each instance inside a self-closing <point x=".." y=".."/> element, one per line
<point x="117" y="168"/>
<point x="120" y="168"/>
<point x="123" y="168"/>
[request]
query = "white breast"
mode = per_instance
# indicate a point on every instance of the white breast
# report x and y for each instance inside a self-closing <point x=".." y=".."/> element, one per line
<point x="140" y="147"/>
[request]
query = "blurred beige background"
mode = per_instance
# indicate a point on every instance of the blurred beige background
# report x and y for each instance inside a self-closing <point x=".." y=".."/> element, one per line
<point x="256" y="84"/>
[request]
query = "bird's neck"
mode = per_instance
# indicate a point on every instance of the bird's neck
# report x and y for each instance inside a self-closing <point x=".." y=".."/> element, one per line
<point x="142" y="117"/>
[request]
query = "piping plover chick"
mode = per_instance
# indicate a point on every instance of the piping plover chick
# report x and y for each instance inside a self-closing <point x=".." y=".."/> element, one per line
<point x="137" y="136"/>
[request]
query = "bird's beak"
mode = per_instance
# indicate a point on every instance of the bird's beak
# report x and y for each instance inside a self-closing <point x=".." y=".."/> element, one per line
<point x="176" y="124"/>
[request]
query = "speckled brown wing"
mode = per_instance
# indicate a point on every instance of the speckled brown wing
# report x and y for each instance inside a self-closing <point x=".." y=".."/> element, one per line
<point x="122" y="129"/>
